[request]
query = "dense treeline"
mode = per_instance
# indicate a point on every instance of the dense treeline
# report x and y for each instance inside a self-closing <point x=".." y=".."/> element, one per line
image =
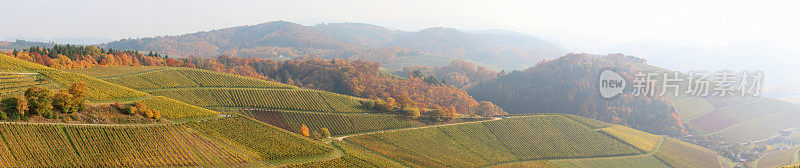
<point x="569" y="85"/>
<point x="356" y="78"/>
<point x="462" y="74"/>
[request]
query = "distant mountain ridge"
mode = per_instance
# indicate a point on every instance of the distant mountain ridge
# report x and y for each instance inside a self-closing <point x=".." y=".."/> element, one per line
<point x="352" y="41"/>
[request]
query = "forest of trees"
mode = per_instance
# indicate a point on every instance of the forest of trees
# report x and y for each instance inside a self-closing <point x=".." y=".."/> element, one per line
<point x="462" y="74"/>
<point x="357" y="78"/>
<point x="568" y="85"/>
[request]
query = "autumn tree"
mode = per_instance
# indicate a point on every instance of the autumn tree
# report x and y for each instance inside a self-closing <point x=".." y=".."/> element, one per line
<point x="488" y="109"/>
<point x="156" y="114"/>
<point x="63" y="101"/>
<point x="78" y="91"/>
<point x="39" y="101"/>
<point x="325" y="132"/>
<point x="142" y="109"/>
<point x="8" y="107"/>
<point x="437" y="115"/>
<point x="404" y="101"/>
<point x="316" y="135"/>
<point x="382" y="106"/>
<point x="22" y="106"/>
<point x="411" y="112"/>
<point x="12" y="108"/>
<point x="304" y="131"/>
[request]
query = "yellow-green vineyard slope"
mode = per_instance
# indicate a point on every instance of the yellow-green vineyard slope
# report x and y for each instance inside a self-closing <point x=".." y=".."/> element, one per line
<point x="153" y="77"/>
<point x="524" y="141"/>
<point x="229" y="141"/>
<point x="101" y="91"/>
<point x="215" y="89"/>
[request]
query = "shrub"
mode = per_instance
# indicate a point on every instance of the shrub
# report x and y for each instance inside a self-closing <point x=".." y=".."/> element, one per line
<point x="63" y="101"/>
<point x="438" y="115"/>
<point x="39" y="100"/>
<point x="156" y="114"/>
<point x="325" y="132"/>
<point x="304" y="130"/>
<point x="411" y="112"/>
<point x="131" y="110"/>
<point x="8" y="108"/>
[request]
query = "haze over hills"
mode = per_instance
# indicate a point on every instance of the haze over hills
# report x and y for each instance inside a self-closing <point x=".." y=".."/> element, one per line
<point x="351" y="41"/>
<point x="776" y="62"/>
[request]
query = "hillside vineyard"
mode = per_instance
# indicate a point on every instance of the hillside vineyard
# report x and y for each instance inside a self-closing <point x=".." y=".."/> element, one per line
<point x="281" y="94"/>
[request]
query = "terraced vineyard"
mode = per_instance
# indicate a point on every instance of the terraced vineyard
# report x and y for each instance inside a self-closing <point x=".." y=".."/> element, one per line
<point x="99" y="90"/>
<point x="31" y="145"/>
<point x="198" y="137"/>
<point x="486" y="143"/>
<point x="149" y="78"/>
<point x="14" y="83"/>
<point x="736" y="118"/>
<point x="176" y="110"/>
<point x="641" y="140"/>
<point x="338" y="124"/>
<point x="106" y="72"/>
<point x="777" y="158"/>
<point x="533" y="141"/>
<point x="354" y="156"/>
<point x="748" y="120"/>
<point x="681" y="154"/>
<point x="215" y="89"/>
<point x="626" y="161"/>
<point x="269" y="142"/>
<point x="282" y="99"/>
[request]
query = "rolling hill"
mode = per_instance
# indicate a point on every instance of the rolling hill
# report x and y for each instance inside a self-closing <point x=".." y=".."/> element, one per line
<point x="193" y="137"/>
<point x="569" y="85"/>
<point x="249" y="135"/>
<point x="555" y="140"/>
<point x="281" y="105"/>
<point x="283" y="40"/>
<point x="573" y="78"/>
<point x="735" y="118"/>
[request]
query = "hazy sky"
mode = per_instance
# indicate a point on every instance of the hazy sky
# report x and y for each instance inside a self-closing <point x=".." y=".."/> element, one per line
<point x="580" y="25"/>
